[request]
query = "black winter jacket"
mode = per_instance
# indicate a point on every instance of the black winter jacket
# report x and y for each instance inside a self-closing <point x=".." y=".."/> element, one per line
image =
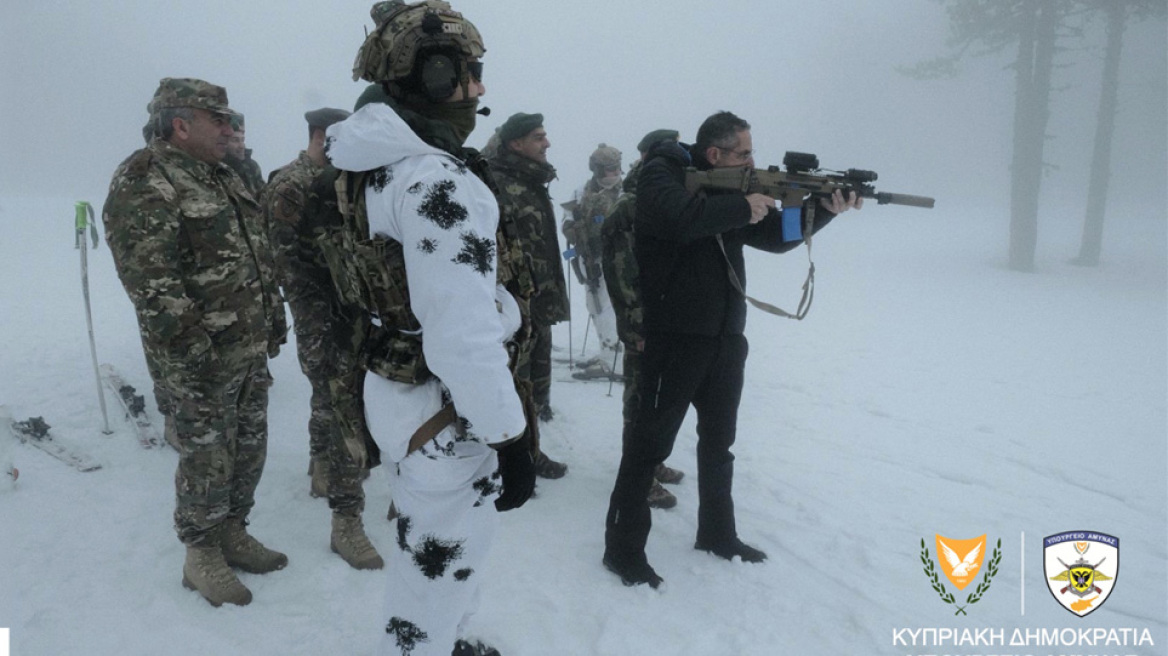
<point x="684" y="282"/>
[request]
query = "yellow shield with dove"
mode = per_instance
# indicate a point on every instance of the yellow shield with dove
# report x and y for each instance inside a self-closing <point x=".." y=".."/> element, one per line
<point x="961" y="559"/>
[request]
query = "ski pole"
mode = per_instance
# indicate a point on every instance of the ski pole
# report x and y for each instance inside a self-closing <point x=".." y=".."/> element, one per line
<point x="571" y="252"/>
<point x="584" y="344"/>
<point x="84" y="218"/>
<point x="612" y="375"/>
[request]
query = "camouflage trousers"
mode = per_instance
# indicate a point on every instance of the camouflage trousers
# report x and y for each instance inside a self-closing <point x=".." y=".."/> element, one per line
<point x="346" y="496"/>
<point x="444" y="494"/>
<point x="330" y="371"/>
<point x="538" y="368"/>
<point x="318" y="357"/>
<point x="223" y="434"/>
<point x="534" y="380"/>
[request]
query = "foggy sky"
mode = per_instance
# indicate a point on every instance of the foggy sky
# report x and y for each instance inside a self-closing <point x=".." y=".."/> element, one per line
<point x="815" y="77"/>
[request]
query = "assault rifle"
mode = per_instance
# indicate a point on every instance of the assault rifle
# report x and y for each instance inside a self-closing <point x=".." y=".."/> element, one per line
<point x="797" y="189"/>
<point x="802" y="180"/>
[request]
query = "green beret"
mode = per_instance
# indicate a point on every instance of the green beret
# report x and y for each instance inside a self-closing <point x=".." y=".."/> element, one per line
<point x="189" y="92"/>
<point x="325" y="116"/>
<point x="519" y="125"/>
<point x="655" y="136"/>
<point x="374" y="93"/>
<point x="237" y="122"/>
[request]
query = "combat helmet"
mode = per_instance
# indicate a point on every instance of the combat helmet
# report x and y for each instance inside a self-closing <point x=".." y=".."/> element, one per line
<point x="421" y="49"/>
<point x="604" y="157"/>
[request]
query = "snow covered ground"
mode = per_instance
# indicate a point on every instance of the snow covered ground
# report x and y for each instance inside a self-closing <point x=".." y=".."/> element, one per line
<point x="931" y="391"/>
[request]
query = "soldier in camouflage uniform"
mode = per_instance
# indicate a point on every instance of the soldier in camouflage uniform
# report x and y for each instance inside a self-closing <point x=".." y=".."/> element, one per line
<point x="582" y="229"/>
<point x="189" y="248"/>
<point x="621" y="277"/>
<point x="522" y="174"/>
<point x="239" y="158"/>
<point x="324" y="337"/>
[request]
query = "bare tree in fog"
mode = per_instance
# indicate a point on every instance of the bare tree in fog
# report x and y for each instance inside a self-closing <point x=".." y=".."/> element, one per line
<point x="984" y="27"/>
<point x="1118" y="13"/>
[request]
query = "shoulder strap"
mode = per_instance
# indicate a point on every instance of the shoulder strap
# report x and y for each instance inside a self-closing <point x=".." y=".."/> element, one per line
<point x="808" y="284"/>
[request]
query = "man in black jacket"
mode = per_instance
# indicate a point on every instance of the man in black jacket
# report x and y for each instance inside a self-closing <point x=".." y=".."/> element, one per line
<point x="695" y="350"/>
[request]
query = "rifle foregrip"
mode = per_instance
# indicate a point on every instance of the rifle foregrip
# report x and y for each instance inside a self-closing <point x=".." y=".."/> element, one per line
<point x="885" y="198"/>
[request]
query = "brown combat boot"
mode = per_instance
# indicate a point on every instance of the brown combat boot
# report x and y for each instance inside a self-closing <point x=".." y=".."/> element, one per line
<point x="667" y="475"/>
<point x="545" y="467"/>
<point x="241" y="550"/>
<point x="351" y="544"/>
<point x="206" y="571"/>
<point x="319" y="468"/>
<point x="659" y="497"/>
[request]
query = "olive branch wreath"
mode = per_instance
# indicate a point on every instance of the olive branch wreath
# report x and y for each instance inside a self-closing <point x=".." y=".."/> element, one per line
<point x="991" y="570"/>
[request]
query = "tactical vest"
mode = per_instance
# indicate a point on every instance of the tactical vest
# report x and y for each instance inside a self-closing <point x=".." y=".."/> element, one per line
<point x="370" y="273"/>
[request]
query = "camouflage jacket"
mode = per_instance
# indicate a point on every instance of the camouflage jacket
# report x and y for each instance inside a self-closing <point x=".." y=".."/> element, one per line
<point x="621" y="275"/>
<point x="302" y="270"/>
<point x="523" y="197"/>
<point x="584" y="231"/>
<point x="188" y="244"/>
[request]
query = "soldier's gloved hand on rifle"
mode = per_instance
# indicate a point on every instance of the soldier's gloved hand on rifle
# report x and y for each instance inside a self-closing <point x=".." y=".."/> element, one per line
<point x="517" y="468"/>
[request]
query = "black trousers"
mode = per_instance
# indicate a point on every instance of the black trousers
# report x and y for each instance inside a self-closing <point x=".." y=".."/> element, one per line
<point x="678" y="371"/>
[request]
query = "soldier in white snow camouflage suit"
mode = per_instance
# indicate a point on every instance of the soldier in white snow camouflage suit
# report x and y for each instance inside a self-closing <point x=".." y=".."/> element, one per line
<point x="582" y="229"/>
<point x="427" y="259"/>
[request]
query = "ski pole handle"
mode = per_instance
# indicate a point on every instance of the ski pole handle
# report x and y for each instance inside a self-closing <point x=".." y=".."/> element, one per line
<point x="84" y="217"/>
<point x="79" y="223"/>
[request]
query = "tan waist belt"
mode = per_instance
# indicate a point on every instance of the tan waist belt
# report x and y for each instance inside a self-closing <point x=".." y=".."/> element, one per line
<point x="434" y="425"/>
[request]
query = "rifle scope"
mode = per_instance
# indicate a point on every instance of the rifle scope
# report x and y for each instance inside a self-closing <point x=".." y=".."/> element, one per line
<point x="800" y="162"/>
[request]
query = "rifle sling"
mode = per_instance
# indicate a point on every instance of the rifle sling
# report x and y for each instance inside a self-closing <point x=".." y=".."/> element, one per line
<point x="430" y="429"/>
<point x="808" y="285"/>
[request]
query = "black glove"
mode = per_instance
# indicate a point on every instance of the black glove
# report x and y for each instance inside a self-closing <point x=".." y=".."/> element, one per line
<point x="517" y="468"/>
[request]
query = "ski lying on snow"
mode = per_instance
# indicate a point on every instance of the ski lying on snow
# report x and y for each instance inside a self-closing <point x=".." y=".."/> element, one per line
<point x="35" y="432"/>
<point x="581" y="376"/>
<point x="133" y="405"/>
<point x="590" y="369"/>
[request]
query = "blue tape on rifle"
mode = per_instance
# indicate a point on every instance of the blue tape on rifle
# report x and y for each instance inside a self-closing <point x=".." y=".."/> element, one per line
<point x="792" y="223"/>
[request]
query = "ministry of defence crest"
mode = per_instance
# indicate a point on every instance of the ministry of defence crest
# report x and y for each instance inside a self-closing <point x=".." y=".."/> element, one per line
<point x="1081" y="568"/>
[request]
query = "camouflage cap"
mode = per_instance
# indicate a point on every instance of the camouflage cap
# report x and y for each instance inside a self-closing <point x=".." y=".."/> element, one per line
<point x="653" y="137"/>
<point x="325" y="116"/>
<point x="189" y="92"/>
<point x="519" y="125"/>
